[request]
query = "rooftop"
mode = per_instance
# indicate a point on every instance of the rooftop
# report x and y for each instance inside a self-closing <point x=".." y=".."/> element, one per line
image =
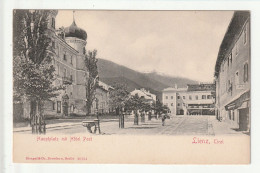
<point x="201" y="87"/>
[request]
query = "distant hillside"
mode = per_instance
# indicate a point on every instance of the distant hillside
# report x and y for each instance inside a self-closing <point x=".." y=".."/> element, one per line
<point x="171" y="81"/>
<point x="110" y="73"/>
<point x="108" y="69"/>
<point x="131" y="85"/>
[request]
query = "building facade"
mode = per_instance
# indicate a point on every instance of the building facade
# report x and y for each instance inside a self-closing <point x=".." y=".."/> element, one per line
<point x="143" y="93"/>
<point x="195" y="99"/>
<point x="68" y="59"/>
<point x="101" y="104"/>
<point x="232" y="73"/>
<point x="68" y="46"/>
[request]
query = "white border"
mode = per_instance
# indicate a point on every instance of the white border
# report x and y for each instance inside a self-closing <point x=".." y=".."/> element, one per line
<point x="6" y="82"/>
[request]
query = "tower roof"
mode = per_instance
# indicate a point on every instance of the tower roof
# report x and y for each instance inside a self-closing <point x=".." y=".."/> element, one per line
<point x="74" y="31"/>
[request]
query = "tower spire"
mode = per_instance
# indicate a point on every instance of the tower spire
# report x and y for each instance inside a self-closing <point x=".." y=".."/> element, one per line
<point x="74" y="16"/>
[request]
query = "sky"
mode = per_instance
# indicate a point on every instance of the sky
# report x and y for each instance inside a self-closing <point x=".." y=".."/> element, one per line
<point x="175" y="43"/>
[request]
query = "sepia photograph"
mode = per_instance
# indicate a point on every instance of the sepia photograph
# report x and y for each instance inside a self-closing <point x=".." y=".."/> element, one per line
<point x="87" y="76"/>
<point x="156" y="73"/>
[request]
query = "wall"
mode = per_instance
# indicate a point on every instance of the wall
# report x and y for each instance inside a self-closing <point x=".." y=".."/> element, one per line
<point x="169" y="99"/>
<point x="230" y="82"/>
<point x="178" y="99"/>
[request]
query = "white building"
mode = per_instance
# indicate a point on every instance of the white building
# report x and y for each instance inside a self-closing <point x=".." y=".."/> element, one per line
<point x="144" y="94"/>
<point x="193" y="100"/>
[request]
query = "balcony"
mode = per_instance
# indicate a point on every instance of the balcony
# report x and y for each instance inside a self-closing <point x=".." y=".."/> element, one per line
<point x="67" y="80"/>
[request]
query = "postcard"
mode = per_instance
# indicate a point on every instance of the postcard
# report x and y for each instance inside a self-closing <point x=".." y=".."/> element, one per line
<point x="131" y="86"/>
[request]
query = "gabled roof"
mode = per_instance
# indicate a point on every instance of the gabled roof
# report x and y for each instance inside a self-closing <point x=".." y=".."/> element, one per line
<point x="234" y="29"/>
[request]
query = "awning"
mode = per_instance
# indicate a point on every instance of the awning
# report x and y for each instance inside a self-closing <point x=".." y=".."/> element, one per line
<point x="244" y="105"/>
<point x="241" y="101"/>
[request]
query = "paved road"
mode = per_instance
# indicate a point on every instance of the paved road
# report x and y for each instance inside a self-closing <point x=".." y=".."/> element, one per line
<point x="179" y="125"/>
<point x="183" y="125"/>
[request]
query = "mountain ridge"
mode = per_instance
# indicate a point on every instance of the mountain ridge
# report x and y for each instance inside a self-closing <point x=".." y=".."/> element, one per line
<point x="110" y="73"/>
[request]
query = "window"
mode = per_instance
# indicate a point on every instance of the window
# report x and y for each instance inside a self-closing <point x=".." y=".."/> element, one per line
<point x="65" y="72"/>
<point x="203" y="96"/>
<point x="196" y="97"/>
<point x="71" y="60"/>
<point x="58" y="106"/>
<point x="183" y="97"/>
<point x="229" y="114"/>
<point x="190" y="97"/>
<point x="183" y="104"/>
<point x="171" y="104"/>
<point x="236" y="49"/>
<point x="245" y="72"/>
<point x="65" y="57"/>
<point x="84" y="50"/>
<point x="71" y="77"/>
<point x="178" y="97"/>
<point x="208" y="96"/>
<point x="245" y="36"/>
<point x="178" y="104"/>
<point x="53" y="105"/>
<point x="171" y="97"/>
<point x="166" y="97"/>
<point x="227" y="86"/>
<point x="237" y="78"/>
<point x="166" y="104"/>
<point x="53" y="22"/>
<point x="53" y="44"/>
<point x="58" y="50"/>
<point x="230" y="59"/>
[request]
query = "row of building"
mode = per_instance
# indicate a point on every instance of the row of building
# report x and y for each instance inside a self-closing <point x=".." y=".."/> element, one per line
<point x="229" y="96"/>
<point x="232" y="73"/>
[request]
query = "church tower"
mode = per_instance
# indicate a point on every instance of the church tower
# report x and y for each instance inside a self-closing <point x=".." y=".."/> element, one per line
<point x="76" y="37"/>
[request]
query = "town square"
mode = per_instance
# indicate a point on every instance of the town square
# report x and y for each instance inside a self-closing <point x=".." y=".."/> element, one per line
<point x="70" y="79"/>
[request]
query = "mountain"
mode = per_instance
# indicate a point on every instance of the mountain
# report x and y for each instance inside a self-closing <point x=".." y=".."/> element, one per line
<point x="110" y="73"/>
<point x="171" y="81"/>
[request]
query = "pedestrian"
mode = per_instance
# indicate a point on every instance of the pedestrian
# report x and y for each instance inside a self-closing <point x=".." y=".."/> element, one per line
<point x="163" y="119"/>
